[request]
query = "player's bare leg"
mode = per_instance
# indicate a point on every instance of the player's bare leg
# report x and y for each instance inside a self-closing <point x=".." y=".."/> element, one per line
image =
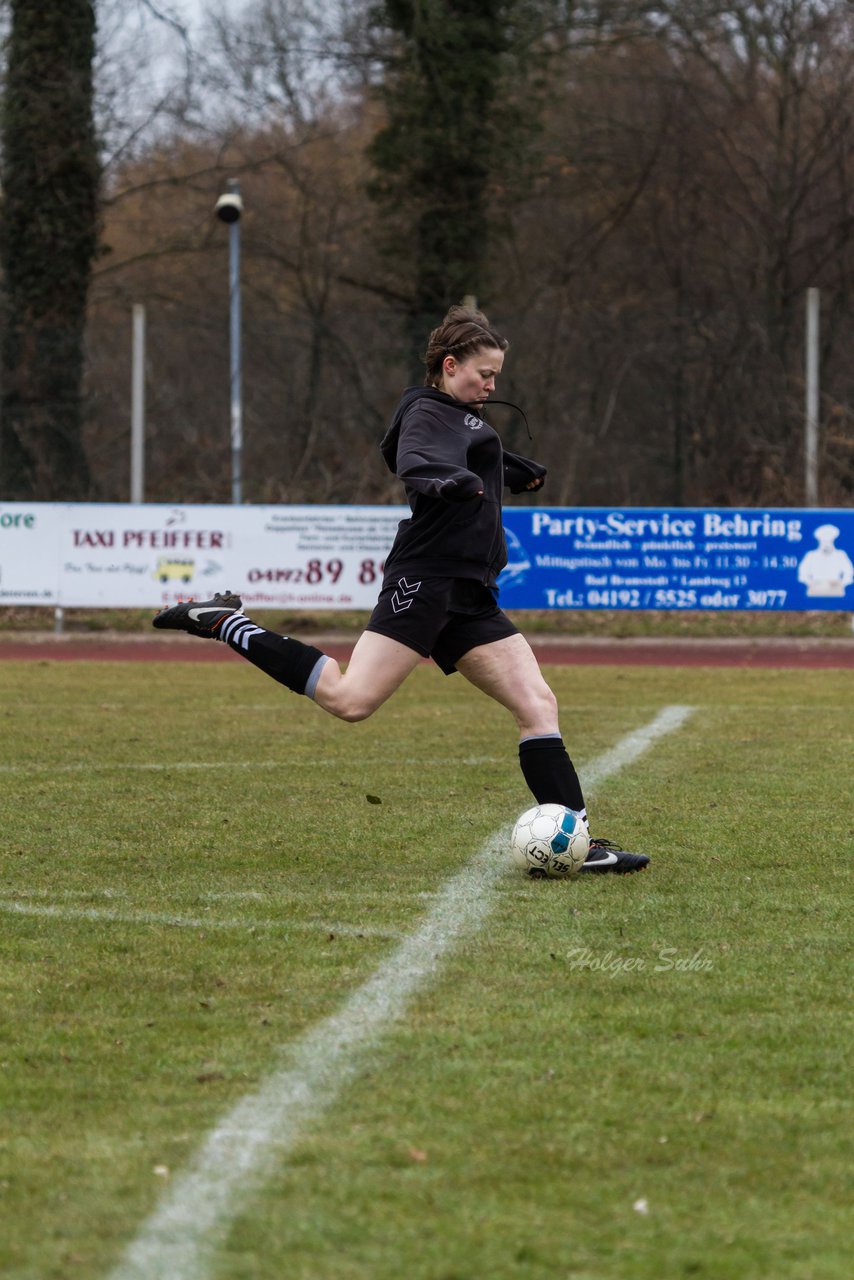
<point x="507" y="670"/>
<point x="378" y="666"/>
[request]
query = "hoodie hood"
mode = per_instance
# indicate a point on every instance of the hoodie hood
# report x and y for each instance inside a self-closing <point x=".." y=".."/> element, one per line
<point x="388" y="444"/>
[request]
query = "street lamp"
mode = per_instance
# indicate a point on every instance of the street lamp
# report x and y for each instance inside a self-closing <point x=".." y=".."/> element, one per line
<point x="228" y="209"/>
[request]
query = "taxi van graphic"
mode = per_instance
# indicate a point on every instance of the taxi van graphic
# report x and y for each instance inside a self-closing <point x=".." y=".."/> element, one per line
<point x="174" y="570"/>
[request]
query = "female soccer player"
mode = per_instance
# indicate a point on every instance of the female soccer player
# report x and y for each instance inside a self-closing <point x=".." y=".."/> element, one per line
<point x="439" y="593"/>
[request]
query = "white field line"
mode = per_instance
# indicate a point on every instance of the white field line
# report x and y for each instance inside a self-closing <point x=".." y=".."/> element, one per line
<point x="271" y="898"/>
<point x="164" y="766"/>
<point x="106" y="915"/>
<point x="631" y="746"/>
<point x="181" y="1237"/>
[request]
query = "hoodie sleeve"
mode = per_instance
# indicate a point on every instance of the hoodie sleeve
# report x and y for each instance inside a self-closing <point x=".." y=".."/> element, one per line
<point x="519" y="472"/>
<point x="431" y="457"/>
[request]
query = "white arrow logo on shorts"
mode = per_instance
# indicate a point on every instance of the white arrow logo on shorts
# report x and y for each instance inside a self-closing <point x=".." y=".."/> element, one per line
<point x="402" y="598"/>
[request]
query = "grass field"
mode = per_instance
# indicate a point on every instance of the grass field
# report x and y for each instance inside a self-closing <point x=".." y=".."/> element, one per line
<point x="645" y="1077"/>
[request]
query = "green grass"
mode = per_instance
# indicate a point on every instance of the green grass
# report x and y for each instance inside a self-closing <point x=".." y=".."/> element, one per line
<point x="677" y="1038"/>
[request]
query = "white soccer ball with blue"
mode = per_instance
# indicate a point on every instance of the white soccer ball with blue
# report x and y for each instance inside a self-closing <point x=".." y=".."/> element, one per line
<point x="550" y="840"/>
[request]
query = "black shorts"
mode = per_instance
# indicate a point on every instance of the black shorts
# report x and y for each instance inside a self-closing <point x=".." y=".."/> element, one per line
<point x="440" y="618"/>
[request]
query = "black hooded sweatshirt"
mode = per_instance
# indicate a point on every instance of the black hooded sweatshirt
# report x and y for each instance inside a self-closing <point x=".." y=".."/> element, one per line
<point x="445" y="454"/>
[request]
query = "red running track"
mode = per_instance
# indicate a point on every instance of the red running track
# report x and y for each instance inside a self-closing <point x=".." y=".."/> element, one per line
<point x="562" y="651"/>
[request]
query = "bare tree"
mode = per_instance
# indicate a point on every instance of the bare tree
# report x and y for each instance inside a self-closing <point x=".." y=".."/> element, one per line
<point x="314" y="290"/>
<point x="690" y="176"/>
<point x="696" y="178"/>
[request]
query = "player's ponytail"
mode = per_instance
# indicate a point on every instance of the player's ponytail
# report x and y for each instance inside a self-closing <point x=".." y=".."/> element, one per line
<point x="463" y="332"/>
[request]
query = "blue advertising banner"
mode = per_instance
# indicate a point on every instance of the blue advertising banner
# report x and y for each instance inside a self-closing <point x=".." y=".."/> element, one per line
<point x="678" y="558"/>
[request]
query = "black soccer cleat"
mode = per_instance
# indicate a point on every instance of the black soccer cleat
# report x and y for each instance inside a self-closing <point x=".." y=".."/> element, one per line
<point x="607" y="858"/>
<point x="199" y="618"/>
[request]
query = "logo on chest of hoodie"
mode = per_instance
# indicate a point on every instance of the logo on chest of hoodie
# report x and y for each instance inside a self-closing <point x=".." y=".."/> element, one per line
<point x="471" y="420"/>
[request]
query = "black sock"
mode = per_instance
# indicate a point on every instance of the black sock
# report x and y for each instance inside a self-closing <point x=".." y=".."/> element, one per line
<point x="550" y="773"/>
<point x="292" y="663"/>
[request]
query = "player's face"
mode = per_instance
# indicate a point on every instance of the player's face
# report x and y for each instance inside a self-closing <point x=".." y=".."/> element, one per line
<point x="471" y="380"/>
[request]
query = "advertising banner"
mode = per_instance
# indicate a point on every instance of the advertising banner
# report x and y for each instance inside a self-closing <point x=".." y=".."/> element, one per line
<point x="30" y="534"/>
<point x="103" y="555"/>
<point x="678" y="558"/>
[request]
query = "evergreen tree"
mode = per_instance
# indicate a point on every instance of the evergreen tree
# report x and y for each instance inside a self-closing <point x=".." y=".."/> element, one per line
<point x="450" y="132"/>
<point x="48" y="232"/>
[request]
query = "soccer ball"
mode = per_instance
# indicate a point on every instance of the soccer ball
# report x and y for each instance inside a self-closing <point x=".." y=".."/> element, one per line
<point x="550" y="840"/>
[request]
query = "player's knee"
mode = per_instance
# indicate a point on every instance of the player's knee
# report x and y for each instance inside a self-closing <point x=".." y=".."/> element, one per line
<point x="355" y="713"/>
<point x="348" y="706"/>
<point x="540" y="711"/>
<point x="543" y="701"/>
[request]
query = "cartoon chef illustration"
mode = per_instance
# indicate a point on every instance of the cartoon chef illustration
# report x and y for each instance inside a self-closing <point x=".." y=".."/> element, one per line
<point x="828" y="570"/>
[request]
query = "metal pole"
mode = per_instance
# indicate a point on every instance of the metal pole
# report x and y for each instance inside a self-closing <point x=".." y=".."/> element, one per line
<point x="236" y="394"/>
<point x="137" y="416"/>
<point x="812" y="377"/>
<point x="228" y="209"/>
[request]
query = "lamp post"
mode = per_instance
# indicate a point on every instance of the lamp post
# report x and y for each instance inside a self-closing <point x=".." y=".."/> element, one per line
<point x="228" y="209"/>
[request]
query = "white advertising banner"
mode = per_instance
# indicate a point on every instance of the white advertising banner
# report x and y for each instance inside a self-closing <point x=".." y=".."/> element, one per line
<point x="30" y="534"/>
<point x="141" y="556"/>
